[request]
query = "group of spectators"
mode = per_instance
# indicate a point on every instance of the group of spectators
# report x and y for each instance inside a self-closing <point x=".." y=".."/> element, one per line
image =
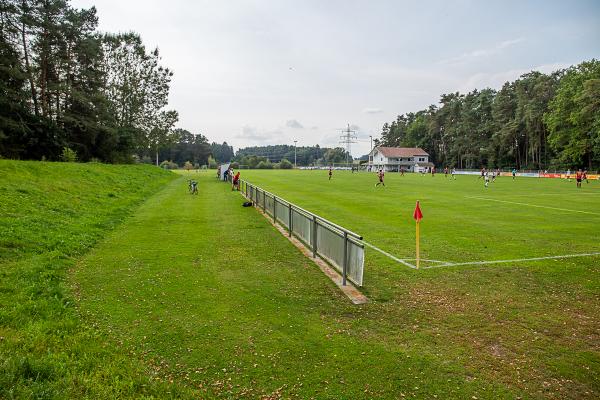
<point x="231" y="176"/>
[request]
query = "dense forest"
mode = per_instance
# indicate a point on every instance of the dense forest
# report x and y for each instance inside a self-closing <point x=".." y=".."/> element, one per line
<point x="539" y="121"/>
<point x="66" y="89"/>
<point x="305" y="155"/>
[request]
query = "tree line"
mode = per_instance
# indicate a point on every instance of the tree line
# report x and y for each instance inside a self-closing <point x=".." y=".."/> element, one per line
<point x="539" y="121"/>
<point x="64" y="85"/>
<point x="304" y="155"/>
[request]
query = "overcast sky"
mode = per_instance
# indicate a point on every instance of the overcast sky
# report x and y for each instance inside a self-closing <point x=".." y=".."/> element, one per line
<point x="271" y="72"/>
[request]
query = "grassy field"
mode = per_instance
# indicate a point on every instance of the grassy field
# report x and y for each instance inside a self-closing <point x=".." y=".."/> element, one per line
<point x="464" y="221"/>
<point x="116" y="283"/>
<point x="215" y="299"/>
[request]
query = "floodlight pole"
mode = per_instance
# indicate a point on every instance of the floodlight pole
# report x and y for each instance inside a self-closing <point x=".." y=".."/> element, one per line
<point x="370" y="152"/>
<point x="295" y="166"/>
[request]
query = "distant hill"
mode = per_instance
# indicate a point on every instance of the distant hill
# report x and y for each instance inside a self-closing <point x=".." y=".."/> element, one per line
<point x="304" y="155"/>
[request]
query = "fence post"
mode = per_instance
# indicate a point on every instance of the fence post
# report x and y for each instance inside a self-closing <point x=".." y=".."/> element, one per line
<point x="345" y="267"/>
<point x="314" y="236"/>
<point x="290" y="218"/>
<point x="264" y="202"/>
<point x="274" y="208"/>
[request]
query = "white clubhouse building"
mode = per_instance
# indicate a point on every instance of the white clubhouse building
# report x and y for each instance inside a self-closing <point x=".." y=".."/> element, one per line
<point x="412" y="159"/>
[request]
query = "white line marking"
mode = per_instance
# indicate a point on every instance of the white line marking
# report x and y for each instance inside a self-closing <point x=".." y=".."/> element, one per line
<point x="451" y="264"/>
<point x="532" y="205"/>
<point x="555" y="194"/>
<point x="514" y="260"/>
<point x="389" y="255"/>
<point x="426" y="259"/>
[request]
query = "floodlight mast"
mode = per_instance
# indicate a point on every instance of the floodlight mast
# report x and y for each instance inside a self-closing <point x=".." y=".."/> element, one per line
<point x="295" y="166"/>
<point x="371" y="152"/>
<point x="348" y="138"/>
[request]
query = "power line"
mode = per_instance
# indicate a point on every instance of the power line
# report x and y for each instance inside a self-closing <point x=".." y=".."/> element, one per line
<point x="348" y="138"/>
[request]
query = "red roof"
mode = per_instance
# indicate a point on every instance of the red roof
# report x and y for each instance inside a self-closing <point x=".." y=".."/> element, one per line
<point x="393" y="152"/>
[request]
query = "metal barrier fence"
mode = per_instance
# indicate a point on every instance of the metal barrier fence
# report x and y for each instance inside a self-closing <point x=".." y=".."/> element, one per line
<point x="340" y="247"/>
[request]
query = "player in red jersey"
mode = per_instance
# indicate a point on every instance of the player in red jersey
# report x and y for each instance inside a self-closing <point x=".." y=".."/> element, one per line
<point x="380" y="175"/>
<point x="578" y="177"/>
<point x="235" y="183"/>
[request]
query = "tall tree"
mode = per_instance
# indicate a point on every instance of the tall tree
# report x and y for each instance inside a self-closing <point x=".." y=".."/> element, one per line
<point x="572" y="117"/>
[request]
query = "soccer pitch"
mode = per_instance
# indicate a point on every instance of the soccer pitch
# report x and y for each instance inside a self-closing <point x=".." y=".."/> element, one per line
<point x="207" y="293"/>
<point x="511" y="222"/>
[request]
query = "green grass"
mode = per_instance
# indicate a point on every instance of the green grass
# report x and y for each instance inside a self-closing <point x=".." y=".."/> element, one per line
<point x="215" y="299"/>
<point x="198" y="297"/>
<point x="458" y="225"/>
<point x="50" y="215"/>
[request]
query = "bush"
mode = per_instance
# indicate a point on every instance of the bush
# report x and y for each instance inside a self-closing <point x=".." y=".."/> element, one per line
<point x="168" y="165"/>
<point x="68" y="155"/>
<point x="285" y="164"/>
<point x="235" y="165"/>
<point x="212" y="163"/>
<point x="188" y="166"/>
<point x="264" y="165"/>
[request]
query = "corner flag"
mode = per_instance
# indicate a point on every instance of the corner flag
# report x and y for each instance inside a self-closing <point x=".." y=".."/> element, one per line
<point x="418" y="216"/>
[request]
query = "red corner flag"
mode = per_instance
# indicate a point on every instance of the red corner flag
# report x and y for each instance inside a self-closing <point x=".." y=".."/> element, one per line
<point x="417" y="214"/>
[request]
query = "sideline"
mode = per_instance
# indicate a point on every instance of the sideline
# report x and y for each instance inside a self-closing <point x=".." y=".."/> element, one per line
<point x="458" y="264"/>
<point x="515" y="260"/>
<point x="385" y="253"/>
<point x="451" y="264"/>
<point x="532" y="205"/>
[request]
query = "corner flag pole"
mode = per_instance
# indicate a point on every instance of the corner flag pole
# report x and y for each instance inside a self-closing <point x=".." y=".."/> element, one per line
<point x="418" y="216"/>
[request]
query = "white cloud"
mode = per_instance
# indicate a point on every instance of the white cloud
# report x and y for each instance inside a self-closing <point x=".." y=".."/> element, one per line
<point x="372" y="111"/>
<point x="292" y="123"/>
<point x="331" y="141"/>
<point x="481" y="53"/>
<point x="495" y="80"/>
<point x="251" y="135"/>
<point x="508" y="43"/>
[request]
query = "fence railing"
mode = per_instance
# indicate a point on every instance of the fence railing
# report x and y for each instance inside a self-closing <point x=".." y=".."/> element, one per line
<point x="340" y="247"/>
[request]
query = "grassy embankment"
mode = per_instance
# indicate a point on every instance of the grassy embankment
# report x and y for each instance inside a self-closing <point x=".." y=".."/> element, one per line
<point x="51" y="214"/>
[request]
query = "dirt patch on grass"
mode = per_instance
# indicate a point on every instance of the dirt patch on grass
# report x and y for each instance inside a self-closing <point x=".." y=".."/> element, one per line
<point x="445" y="300"/>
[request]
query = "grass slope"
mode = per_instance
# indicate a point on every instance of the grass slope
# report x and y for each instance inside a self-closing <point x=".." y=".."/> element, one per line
<point x="215" y="299"/>
<point x="50" y="215"/>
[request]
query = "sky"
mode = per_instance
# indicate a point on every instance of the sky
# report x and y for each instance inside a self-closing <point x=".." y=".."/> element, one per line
<point x="263" y="72"/>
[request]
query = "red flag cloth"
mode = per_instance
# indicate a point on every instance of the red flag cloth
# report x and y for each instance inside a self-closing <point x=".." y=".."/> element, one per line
<point x="417" y="214"/>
